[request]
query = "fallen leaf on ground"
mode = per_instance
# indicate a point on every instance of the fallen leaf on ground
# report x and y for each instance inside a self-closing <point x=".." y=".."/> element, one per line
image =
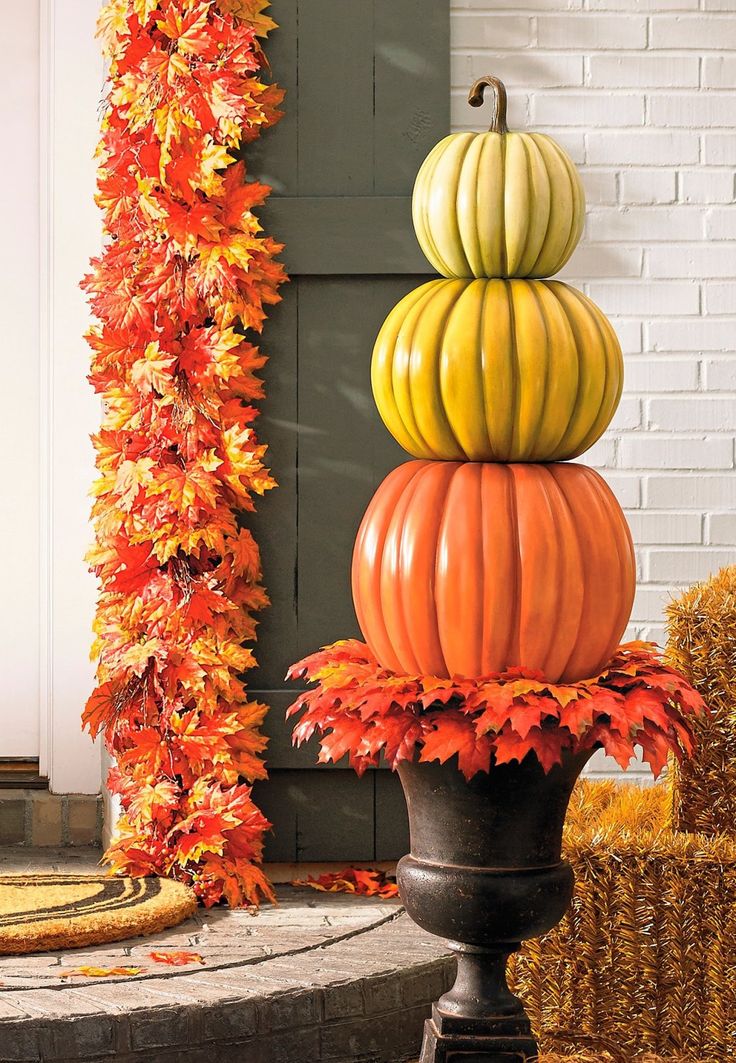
<point x="176" y="959"/>
<point x="100" y="972"/>
<point x="364" y="883"/>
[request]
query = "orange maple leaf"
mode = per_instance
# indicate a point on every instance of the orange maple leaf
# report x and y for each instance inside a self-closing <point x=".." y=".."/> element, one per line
<point x="365" y="883"/>
<point x="176" y="957"/>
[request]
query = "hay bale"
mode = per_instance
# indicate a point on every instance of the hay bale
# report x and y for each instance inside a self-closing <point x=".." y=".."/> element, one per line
<point x="645" y="960"/>
<point x="701" y="628"/>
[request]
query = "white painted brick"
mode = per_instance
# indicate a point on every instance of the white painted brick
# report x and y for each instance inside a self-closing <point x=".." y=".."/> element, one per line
<point x="720" y="297"/>
<point x="610" y="261"/>
<point x="691" y="260"/>
<point x="719" y="5"/>
<point x="628" y="416"/>
<point x="692" y="414"/>
<point x="643" y="5"/>
<point x="714" y="33"/>
<point x="691" y="109"/>
<point x="601" y="455"/>
<point x="658" y="148"/>
<point x="458" y="7"/>
<point x="626" y="486"/>
<point x="646" y="71"/>
<point x="646" y="223"/>
<point x="686" y="566"/>
<point x="518" y="69"/>
<point x="601" y="186"/>
<point x="720" y="224"/>
<point x="650" y="375"/>
<point x="720" y="148"/>
<point x="697" y="334"/>
<point x="650" y="602"/>
<point x="648" y="186"/>
<point x="664" y="526"/>
<point x="720" y="375"/>
<point x="590" y="31"/>
<point x="685" y="491"/>
<point x="651" y="451"/>
<point x="654" y="633"/>
<point x="646" y="297"/>
<point x="707" y="186"/>
<point x="572" y="140"/>
<point x="586" y="109"/>
<point x="483" y="30"/>
<point x="628" y="332"/>
<point x="719" y="71"/>
<point x="721" y="529"/>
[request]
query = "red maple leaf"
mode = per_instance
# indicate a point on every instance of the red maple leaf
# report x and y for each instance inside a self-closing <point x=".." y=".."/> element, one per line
<point x="454" y="734"/>
<point x="545" y="743"/>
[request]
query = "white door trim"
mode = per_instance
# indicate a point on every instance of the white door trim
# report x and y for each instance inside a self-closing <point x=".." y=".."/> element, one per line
<point x="72" y="78"/>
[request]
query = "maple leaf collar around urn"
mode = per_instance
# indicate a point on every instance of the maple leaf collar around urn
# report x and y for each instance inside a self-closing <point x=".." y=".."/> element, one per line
<point x="498" y="203"/>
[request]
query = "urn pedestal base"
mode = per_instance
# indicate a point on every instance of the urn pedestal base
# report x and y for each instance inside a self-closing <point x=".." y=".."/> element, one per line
<point x="454" y="1041"/>
<point x="500" y="1032"/>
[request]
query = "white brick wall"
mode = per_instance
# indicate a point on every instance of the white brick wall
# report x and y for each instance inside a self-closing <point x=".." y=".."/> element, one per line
<point x="642" y="93"/>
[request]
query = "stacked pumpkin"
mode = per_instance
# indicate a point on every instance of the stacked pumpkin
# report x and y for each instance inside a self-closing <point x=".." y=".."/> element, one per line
<point x="491" y="550"/>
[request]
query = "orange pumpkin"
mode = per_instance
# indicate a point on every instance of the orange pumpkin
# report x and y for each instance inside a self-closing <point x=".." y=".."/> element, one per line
<point x="466" y="568"/>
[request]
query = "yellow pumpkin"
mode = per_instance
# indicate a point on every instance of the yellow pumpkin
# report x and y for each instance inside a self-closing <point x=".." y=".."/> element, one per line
<point x="496" y="370"/>
<point x="498" y="204"/>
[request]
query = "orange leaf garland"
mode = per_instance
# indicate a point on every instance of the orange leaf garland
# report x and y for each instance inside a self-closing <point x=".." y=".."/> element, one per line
<point x="185" y="273"/>
<point x="362" y="709"/>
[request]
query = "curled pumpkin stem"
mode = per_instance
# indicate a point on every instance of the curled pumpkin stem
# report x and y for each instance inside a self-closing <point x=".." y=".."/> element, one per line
<point x="476" y="96"/>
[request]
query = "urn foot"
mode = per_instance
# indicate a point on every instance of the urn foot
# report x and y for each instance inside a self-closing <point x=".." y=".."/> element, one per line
<point x="479" y="1020"/>
<point x="445" y="1042"/>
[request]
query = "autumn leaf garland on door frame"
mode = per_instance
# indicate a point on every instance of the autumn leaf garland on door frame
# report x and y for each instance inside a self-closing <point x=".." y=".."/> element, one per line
<point x="184" y="277"/>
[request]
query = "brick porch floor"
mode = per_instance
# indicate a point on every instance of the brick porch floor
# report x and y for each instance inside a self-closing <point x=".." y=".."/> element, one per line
<point x="320" y="977"/>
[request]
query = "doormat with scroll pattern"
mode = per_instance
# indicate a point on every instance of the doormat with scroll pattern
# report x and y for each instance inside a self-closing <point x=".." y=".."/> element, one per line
<point x="39" y="912"/>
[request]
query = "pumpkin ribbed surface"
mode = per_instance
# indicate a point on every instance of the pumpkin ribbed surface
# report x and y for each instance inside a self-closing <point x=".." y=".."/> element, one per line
<point x="496" y="370"/>
<point x="498" y="205"/>
<point x="464" y="568"/>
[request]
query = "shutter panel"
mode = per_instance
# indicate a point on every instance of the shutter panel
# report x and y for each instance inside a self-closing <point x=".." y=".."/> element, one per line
<point x="368" y="95"/>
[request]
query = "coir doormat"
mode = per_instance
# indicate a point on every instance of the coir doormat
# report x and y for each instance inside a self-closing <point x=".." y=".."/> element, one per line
<point x="43" y="912"/>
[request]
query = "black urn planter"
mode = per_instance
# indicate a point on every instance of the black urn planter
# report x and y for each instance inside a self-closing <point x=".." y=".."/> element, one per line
<point x="485" y="872"/>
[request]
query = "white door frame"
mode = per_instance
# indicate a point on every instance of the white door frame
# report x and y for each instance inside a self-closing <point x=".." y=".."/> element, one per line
<point x="72" y="79"/>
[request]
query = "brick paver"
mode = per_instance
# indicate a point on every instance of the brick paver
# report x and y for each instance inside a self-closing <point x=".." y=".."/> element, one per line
<point x="320" y="977"/>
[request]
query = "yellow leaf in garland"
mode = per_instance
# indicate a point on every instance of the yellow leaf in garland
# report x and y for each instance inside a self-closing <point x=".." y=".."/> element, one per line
<point x="251" y="12"/>
<point x="187" y="30"/>
<point x="131" y="477"/>
<point x="101" y="972"/>
<point x="214" y="157"/>
<point x="153" y="370"/>
<point x="112" y="23"/>
<point x="144" y="9"/>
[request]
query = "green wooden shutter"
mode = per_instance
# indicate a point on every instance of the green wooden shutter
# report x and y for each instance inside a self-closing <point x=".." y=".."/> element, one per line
<point x="367" y="96"/>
